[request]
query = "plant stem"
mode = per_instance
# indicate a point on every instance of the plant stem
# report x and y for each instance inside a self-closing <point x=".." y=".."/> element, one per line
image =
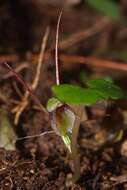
<point x="74" y="149"/>
<point x="56" y="50"/>
<point x="81" y="115"/>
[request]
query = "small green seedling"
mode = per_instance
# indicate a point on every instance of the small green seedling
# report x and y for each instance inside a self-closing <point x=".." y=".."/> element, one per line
<point x="66" y="108"/>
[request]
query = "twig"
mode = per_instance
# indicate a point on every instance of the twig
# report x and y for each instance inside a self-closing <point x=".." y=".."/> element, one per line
<point x="41" y="57"/>
<point x="3" y="98"/>
<point x="38" y="135"/>
<point x="91" y="61"/>
<point x="17" y="69"/>
<point x="22" y="105"/>
<point x="119" y="179"/>
<point x="82" y="35"/>
<point x="17" y="90"/>
<point x="9" y="58"/>
<point x="19" y="78"/>
<point x="94" y="62"/>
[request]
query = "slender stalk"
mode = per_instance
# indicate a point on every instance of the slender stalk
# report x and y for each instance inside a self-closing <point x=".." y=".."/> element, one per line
<point x="56" y="50"/>
<point x="79" y="111"/>
<point x="74" y="149"/>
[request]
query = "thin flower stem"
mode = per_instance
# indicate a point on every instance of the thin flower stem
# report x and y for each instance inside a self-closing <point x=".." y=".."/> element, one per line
<point x="56" y="50"/>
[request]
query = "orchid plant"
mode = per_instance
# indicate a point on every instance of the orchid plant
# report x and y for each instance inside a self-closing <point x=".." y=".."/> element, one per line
<point x="66" y="109"/>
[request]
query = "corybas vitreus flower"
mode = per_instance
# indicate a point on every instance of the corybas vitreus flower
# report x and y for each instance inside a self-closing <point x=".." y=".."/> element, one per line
<point x="62" y="120"/>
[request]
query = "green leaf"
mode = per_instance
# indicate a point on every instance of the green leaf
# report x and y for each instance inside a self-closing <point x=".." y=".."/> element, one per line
<point x="52" y="104"/>
<point x="107" y="7"/>
<point x="98" y="89"/>
<point x="76" y="95"/>
<point x="106" y="88"/>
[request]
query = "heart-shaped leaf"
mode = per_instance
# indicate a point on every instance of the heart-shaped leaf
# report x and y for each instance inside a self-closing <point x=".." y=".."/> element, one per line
<point x="98" y="89"/>
<point x="75" y="94"/>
